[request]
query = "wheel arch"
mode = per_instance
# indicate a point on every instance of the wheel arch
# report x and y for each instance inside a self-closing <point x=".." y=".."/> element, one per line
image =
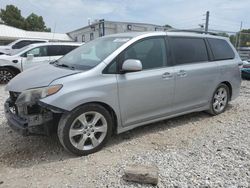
<point x="14" y="69"/>
<point x="230" y="88"/>
<point x="109" y="109"/>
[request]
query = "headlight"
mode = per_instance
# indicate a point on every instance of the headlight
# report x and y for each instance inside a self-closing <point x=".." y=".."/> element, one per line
<point x="32" y="95"/>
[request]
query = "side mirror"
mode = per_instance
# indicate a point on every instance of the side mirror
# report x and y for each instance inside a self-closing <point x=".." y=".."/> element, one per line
<point x="131" y="65"/>
<point x="30" y="57"/>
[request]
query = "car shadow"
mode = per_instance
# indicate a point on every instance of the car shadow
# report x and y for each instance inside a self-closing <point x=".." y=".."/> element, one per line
<point x="22" y="152"/>
<point x="157" y="127"/>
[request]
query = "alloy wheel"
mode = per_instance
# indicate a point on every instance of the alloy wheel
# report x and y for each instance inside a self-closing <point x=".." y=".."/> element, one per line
<point x="88" y="130"/>
<point x="5" y="76"/>
<point x="220" y="100"/>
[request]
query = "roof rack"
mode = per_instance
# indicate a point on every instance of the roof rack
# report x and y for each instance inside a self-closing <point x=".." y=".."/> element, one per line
<point x="192" y="31"/>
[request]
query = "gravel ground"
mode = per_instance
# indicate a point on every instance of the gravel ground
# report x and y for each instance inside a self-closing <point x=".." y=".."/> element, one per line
<point x="190" y="151"/>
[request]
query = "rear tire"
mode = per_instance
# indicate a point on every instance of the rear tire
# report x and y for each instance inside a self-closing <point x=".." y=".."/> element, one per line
<point x="6" y="75"/>
<point x="220" y="99"/>
<point x="85" y="130"/>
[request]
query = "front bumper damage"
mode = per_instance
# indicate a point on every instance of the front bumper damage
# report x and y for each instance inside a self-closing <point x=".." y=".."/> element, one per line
<point x="34" y="118"/>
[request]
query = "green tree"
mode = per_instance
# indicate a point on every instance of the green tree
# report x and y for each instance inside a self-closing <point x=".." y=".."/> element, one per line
<point x="223" y="34"/>
<point x="244" y="38"/>
<point x="241" y="39"/>
<point x="168" y="26"/>
<point x="12" y="16"/>
<point x="35" y="23"/>
<point x="233" y="39"/>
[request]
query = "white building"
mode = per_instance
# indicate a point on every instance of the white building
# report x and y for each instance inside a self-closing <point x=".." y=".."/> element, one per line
<point x="9" y="34"/>
<point x="102" y="27"/>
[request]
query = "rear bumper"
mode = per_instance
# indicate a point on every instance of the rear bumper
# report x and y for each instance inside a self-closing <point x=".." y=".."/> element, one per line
<point x="37" y="124"/>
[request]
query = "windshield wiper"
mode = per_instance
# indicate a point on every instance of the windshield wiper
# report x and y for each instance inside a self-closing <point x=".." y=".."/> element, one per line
<point x="63" y="65"/>
<point x="53" y="62"/>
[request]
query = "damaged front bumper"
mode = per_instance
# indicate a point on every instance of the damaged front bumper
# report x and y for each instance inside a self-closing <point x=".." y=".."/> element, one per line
<point x="30" y="119"/>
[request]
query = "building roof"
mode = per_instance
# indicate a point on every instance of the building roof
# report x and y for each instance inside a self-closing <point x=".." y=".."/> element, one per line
<point x="115" y="22"/>
<point x="12" y="33"/>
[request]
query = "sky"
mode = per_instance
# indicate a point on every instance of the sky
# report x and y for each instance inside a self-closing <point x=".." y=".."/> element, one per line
<point x="67" y="15"/>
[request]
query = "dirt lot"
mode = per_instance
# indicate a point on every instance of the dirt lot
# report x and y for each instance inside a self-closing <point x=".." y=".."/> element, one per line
<point x="192" y="150"/>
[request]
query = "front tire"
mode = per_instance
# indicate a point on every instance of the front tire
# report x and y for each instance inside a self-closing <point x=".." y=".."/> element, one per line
<point x="6" y="75"/>
<point x="219" y="100"/>
<point x="85" y="130"/>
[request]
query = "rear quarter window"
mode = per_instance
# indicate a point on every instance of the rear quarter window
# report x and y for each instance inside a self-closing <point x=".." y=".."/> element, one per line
<point x="60" y="50"/>
<point x="221" y="49"/>
<point x="188" y="50"/>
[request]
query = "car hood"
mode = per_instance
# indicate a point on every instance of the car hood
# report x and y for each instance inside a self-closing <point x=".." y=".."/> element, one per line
<point x="38" y="76"/>
<point x="4" y="56"/>
<point x="4" y="48"/>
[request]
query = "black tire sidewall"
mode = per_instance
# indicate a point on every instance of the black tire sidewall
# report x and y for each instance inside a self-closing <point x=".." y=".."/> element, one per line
<point x="10" y="71"/>
<point x="228" y="96"/>
<point x="67" y="120"/>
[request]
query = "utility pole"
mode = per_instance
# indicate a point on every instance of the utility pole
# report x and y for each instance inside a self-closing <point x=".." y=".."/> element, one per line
<point x="207" y="20"/>
<point x="239" y="35"/>
<point x="237" y="38"/>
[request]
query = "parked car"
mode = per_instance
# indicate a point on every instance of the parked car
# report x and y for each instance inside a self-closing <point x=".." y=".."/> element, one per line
<point x="30" y="56"/>
<point x="245" y="70"/>
<point x="118" y="82"/>
<point x="18" y="44"/>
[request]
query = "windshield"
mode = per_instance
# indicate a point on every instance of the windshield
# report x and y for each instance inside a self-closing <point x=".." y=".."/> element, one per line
<point x="92" y="53"/>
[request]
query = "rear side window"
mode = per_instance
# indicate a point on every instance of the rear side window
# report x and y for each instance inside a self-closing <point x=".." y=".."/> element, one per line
<point x="59" y="50"/>
<point x="221" y="49"/>
<point x="21" y="44"/>
<point x="36" y="41"/>
<point x="67" y="49"/>
<point x="188" y="50"/>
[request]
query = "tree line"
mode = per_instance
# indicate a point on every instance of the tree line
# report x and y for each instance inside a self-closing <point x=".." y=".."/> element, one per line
<point x="240" y="39"/>
<point x="12" y="16"/>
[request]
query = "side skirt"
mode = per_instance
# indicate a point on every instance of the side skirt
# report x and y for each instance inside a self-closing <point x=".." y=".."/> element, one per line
<point x="124" y="129"/>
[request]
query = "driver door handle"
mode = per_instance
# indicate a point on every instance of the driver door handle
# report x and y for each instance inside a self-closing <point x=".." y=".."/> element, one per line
<point x="167" y="75"/>
<point x="182" y="73"/>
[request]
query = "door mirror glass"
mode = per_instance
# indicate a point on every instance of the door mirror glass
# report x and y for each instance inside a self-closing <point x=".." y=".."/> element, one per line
<point x="131" y="65"/>
<point x="30" y="57"/>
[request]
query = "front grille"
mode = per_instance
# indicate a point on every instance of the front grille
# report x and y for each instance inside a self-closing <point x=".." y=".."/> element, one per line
<point x="14" y="96"/>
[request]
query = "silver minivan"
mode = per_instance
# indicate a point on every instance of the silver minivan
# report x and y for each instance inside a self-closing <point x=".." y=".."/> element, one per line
<point x="118" y="82"/>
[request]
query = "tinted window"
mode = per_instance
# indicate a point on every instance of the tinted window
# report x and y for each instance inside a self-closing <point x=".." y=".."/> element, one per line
<point x="221" y="49"/>
<point x="54" y="50"/>
<point x="67" y="49"/>
<point x="21" y="44"/>
<point x="33" y="42"/>
<point x="59" y="50"/>
<point x="188" y="50"/>
<point x="151" y="53"/>
<point x="37" y="52"/>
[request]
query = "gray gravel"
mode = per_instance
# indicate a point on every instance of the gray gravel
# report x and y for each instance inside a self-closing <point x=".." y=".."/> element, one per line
<point x="194" y="150"/>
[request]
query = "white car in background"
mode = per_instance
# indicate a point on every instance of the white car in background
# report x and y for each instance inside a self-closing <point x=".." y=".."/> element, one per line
<point x="30" y="56"/>
<point x="18" y="44"/>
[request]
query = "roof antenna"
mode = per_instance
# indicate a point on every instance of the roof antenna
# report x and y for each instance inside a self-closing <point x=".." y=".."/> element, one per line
<point x="54" y="31"/>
